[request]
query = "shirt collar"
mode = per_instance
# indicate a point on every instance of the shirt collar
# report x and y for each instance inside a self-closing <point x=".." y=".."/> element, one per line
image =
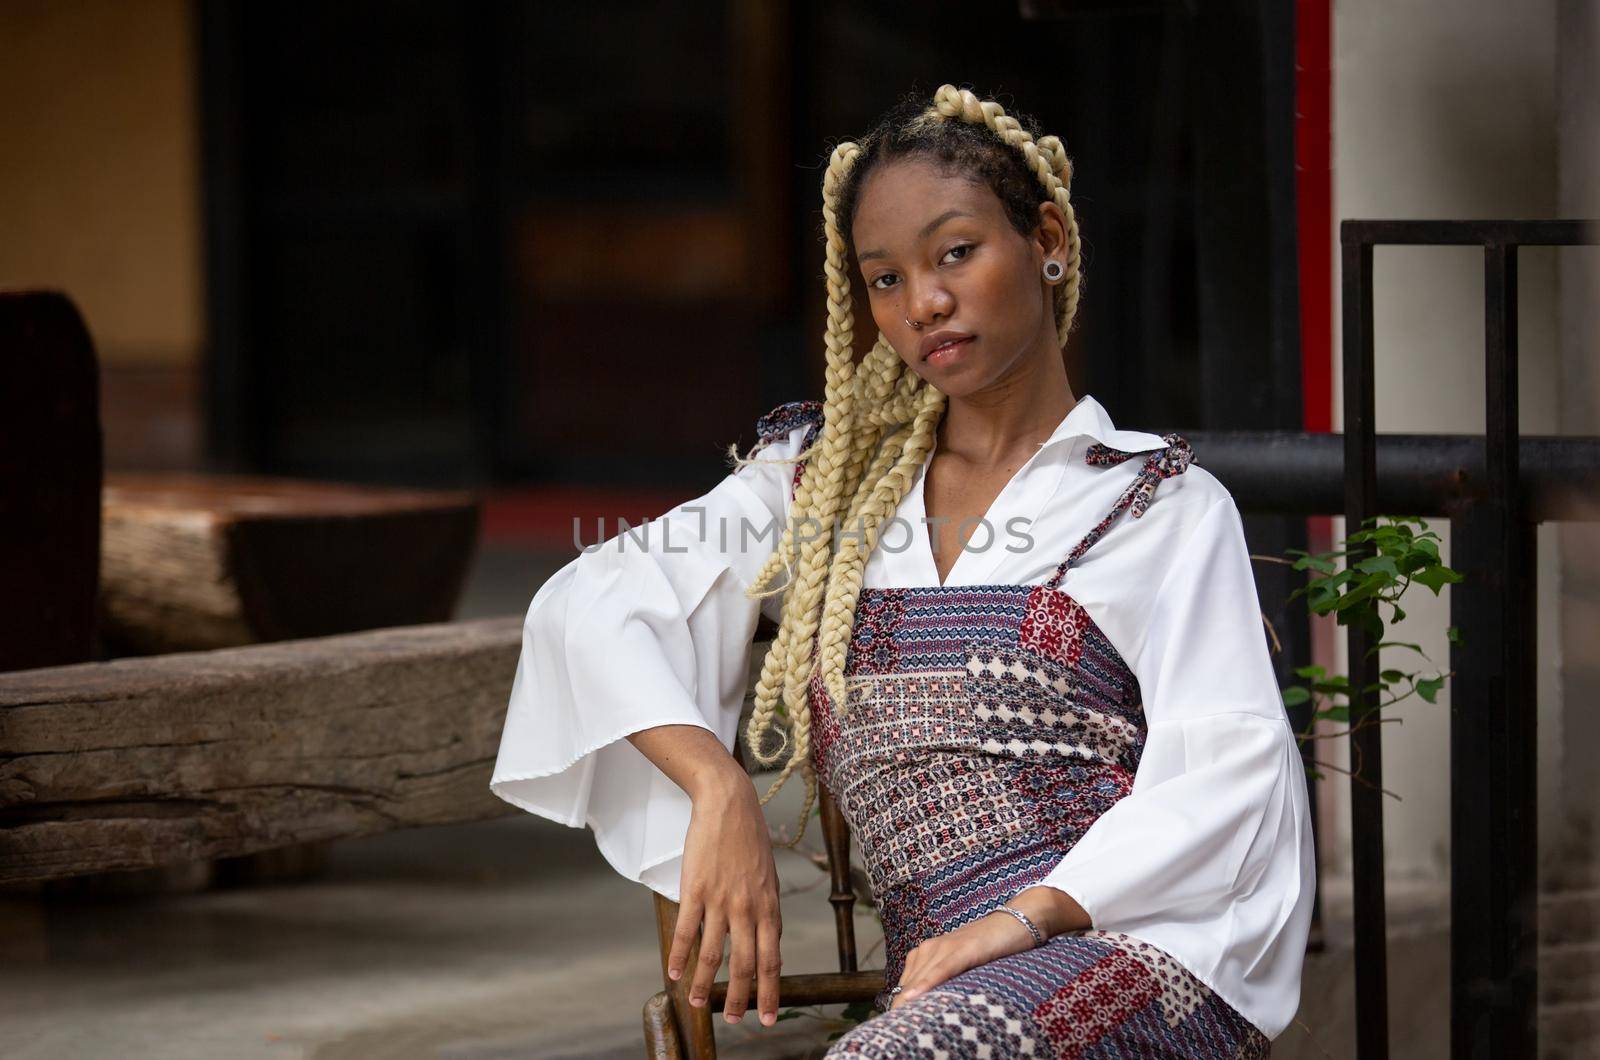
<point x="1089" y="418"/>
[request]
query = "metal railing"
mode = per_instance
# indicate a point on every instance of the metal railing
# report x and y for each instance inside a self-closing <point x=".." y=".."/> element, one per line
<point x="1494" y="488"/>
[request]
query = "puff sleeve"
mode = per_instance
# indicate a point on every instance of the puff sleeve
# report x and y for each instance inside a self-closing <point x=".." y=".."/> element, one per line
<point x="650" y="628"/>
<point x="1210" y="855"/>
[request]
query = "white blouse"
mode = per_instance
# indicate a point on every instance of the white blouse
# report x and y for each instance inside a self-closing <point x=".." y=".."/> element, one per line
<point x="1210" y="856"/>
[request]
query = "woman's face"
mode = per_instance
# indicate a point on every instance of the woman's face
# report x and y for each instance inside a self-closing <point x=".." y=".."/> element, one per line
<point x="936" y="249"/>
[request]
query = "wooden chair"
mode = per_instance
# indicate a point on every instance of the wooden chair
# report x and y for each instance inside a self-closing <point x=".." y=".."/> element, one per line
<point x="675" y="1029"/>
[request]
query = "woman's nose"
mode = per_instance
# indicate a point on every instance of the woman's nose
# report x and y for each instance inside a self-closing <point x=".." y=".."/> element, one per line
<point x="930" y="300"/>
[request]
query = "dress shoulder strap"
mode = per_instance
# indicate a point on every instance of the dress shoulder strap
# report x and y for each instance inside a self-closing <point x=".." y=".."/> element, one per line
<point x="1159" y="464"/>
<point x="776" y="425"/>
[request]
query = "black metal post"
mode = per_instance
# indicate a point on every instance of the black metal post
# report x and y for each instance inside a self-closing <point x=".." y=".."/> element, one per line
<point x="1366" y="743"/>
<point x="1494" y="838"/>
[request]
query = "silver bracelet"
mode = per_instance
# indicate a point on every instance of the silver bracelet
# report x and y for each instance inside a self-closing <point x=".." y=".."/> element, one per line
<point x="1038" y="938"/>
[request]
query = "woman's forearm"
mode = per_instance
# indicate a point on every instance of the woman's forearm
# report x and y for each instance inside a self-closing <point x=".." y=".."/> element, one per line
<point x="693" y="758"/>
<point x="1052" y="909"/>
<point x="728" y="882"/>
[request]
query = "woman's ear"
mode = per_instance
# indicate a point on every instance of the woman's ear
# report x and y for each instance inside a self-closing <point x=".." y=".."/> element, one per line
<point x="1051" y="235"/>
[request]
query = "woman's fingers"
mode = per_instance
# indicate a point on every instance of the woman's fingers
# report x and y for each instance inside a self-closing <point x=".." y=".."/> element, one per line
<point x="769" y="965"/>
<point x="684" y="933"/>
<point x="923" y="971"/>
<point x="910" y="989"/>
<point x="741" y="967"/>
<point x="705" y="970"/>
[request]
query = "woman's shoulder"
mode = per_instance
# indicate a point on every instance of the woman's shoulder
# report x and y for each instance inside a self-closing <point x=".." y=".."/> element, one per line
<point x="1175" y="491"/>
<point x="778" y="424"/>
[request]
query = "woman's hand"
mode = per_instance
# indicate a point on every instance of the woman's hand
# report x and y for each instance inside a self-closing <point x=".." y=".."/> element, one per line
<point x="999" y="934"/>
<point x="730" y="881"/>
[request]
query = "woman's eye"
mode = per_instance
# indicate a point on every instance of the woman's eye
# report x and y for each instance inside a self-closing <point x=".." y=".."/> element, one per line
<point x="887" y="280"/>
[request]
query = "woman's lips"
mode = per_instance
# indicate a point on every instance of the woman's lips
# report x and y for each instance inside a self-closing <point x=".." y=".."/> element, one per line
<point x="948" y="351"/>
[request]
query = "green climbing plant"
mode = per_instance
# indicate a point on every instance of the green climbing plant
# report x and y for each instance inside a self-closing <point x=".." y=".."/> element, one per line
<point x="1395" y="553"/>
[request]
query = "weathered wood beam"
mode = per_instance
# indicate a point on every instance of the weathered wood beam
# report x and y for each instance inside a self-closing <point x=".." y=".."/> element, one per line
<point x="148" y="761"/>
<point x="158" y="760"/>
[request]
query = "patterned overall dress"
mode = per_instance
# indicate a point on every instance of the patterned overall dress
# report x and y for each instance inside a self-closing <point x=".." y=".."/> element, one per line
<point x="992" y="726"/>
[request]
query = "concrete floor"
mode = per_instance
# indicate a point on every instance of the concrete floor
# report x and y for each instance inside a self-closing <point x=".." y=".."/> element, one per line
<point x="505" y="939"/>
<point x="509" y="938"/>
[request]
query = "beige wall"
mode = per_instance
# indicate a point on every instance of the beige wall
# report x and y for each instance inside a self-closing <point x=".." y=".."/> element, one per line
<point x="99" y="169"/>
<point x="1450" y="111"/>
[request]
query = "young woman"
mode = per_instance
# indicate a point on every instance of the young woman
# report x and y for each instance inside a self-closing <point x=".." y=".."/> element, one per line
<point x="1021" y="647"/>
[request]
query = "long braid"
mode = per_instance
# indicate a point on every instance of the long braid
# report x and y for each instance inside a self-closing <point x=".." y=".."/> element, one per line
<point x="817" y="500"/>
<point x="879" y="423"/>
<point x="844" y="586"/>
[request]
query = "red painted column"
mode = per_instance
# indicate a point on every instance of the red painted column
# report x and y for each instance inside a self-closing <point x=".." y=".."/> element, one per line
<point x="1313" y="164"/>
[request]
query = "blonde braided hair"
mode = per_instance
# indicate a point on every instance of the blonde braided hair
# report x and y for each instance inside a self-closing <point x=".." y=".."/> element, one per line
<point x="879" y="423"/>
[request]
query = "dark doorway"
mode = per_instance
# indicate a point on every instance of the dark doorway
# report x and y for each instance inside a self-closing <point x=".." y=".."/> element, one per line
<point x="521" y="242"/>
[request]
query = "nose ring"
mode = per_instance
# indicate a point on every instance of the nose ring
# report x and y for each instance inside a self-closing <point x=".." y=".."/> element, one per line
<point x="913" y="325"/>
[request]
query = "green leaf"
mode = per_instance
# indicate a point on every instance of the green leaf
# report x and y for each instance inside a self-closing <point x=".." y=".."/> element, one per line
<point x="1436" y="578"/>
<point x="1321" y="599"/>
<point x="1366" y="590"/>
<point x="1453" y="634"/>
<point x="1296" y="695"/>
<point x="1428" y="688"/>
<point x="1379" y="564"/>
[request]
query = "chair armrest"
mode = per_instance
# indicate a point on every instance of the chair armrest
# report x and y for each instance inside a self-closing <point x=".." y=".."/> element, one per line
<point x="822" y="988"/>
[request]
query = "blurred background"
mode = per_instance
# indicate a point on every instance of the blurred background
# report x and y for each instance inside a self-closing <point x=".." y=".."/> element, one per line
<point x="489" y="249"/>
<point x="484" y="243"/>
